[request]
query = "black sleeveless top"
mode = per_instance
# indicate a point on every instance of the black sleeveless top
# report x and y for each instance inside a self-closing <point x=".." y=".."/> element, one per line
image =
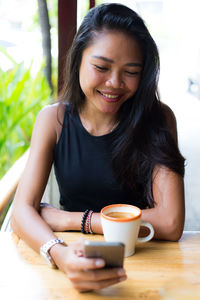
<point x="83" y="170"/>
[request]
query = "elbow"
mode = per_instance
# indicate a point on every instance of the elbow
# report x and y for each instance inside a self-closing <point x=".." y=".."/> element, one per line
<point x="175" y="235"/>
<point x="13" y="223"/>
<point x="14" y="220"/>
<point x="175" y="230"/>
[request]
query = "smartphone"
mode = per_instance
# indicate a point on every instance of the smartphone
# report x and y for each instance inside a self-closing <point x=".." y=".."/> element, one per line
<point x="111" y="252"/>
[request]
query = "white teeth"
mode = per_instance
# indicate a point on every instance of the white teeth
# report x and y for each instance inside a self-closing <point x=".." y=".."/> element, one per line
<point x="110" y="96"/>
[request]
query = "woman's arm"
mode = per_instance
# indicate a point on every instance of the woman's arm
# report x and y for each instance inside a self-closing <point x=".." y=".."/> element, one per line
<point x="168" y="215"/>
<point x="25" y="220"/>
<point x="60" y="220"/>
<point x="85" y="274"/>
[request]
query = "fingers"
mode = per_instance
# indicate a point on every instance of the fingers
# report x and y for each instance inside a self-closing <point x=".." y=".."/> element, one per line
<point x="96" y="275"/>
<point x="81" y="263"/>
<point x="87" y="273"/>
<point x="87" y="280"/>
<point x="85" y="286"/>
<point x="78" y="262"/>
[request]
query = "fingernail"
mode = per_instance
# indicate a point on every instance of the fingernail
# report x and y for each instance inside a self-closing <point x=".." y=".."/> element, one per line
<point x="121" y="272"/>
<point x="99" y="262"/>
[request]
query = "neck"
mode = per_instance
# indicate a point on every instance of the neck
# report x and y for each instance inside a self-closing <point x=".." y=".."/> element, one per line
<point x="96" y="122"/>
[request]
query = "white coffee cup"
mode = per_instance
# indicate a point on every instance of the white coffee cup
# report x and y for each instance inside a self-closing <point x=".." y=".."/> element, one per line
<point x="121" y="223"/>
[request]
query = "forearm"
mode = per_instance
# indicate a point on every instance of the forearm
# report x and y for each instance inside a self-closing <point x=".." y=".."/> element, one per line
<point x="74" y="222"/>
<point x="168" y="214"/>
<point x="60" y="220"/>
<point x="165" y="226"/>
<point x="27" y="223"/>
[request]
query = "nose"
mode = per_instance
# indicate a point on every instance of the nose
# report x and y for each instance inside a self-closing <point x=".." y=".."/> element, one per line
<point x="114" y="81"/>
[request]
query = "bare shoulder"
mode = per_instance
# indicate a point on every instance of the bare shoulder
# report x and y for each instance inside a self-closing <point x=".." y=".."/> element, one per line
<point x="170" y="119"/>
<point x="51" y="117"/>
<point x="52" y="111"/>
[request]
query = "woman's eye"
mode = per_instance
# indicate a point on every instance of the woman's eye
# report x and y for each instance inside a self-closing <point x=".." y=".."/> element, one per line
<point x="132" y="73"/>
<point x="99" y="68"/>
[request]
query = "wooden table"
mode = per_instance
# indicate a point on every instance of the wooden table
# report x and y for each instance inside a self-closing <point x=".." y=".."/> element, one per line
<point x="24" y="274"/>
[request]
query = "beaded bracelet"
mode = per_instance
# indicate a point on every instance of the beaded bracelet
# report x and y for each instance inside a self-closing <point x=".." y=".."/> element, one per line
<point x="90" y="216"/>
<point x="88" y="222"/>
<point x="83" y="221"/>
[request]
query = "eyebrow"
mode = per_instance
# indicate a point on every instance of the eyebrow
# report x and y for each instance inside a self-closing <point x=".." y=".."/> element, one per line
<point x="132" y="64"/>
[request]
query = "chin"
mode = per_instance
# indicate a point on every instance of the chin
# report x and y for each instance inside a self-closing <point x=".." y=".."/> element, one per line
<point x="110" y="109"/>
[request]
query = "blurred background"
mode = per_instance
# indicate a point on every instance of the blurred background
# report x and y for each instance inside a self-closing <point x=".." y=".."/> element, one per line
<point x="27" y="83"/>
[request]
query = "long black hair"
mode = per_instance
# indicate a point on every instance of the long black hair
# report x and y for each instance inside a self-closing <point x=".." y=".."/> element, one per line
<point x="143" y="140"/>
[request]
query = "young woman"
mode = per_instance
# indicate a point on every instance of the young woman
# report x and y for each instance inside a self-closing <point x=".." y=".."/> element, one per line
<point x="111" y="141"/>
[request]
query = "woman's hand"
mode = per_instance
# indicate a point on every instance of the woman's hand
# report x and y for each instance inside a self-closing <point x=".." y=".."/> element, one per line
<point x="57" y="219"/>
<point x="85" y="274"/>
<point x="60" y="220"/>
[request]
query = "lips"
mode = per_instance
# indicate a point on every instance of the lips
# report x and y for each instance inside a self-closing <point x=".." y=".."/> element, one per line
<point x="110" y="96"/>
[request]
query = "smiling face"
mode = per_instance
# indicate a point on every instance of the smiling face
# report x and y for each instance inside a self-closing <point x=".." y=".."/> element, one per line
<point x="110" y="71"/>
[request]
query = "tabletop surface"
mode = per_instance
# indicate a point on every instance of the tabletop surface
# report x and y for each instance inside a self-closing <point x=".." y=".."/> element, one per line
<point x="155" y="265"/>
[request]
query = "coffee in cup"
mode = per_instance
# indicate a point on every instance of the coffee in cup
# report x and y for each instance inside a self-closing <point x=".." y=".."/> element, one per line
<point x="121" y="223"/>
<point x="120" y="214"/>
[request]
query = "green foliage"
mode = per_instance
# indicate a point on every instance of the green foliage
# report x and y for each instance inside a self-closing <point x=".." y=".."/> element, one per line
<point x="53" y="12"/>
<point x="22" y="95"/>
<point x="98" y="2"/>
